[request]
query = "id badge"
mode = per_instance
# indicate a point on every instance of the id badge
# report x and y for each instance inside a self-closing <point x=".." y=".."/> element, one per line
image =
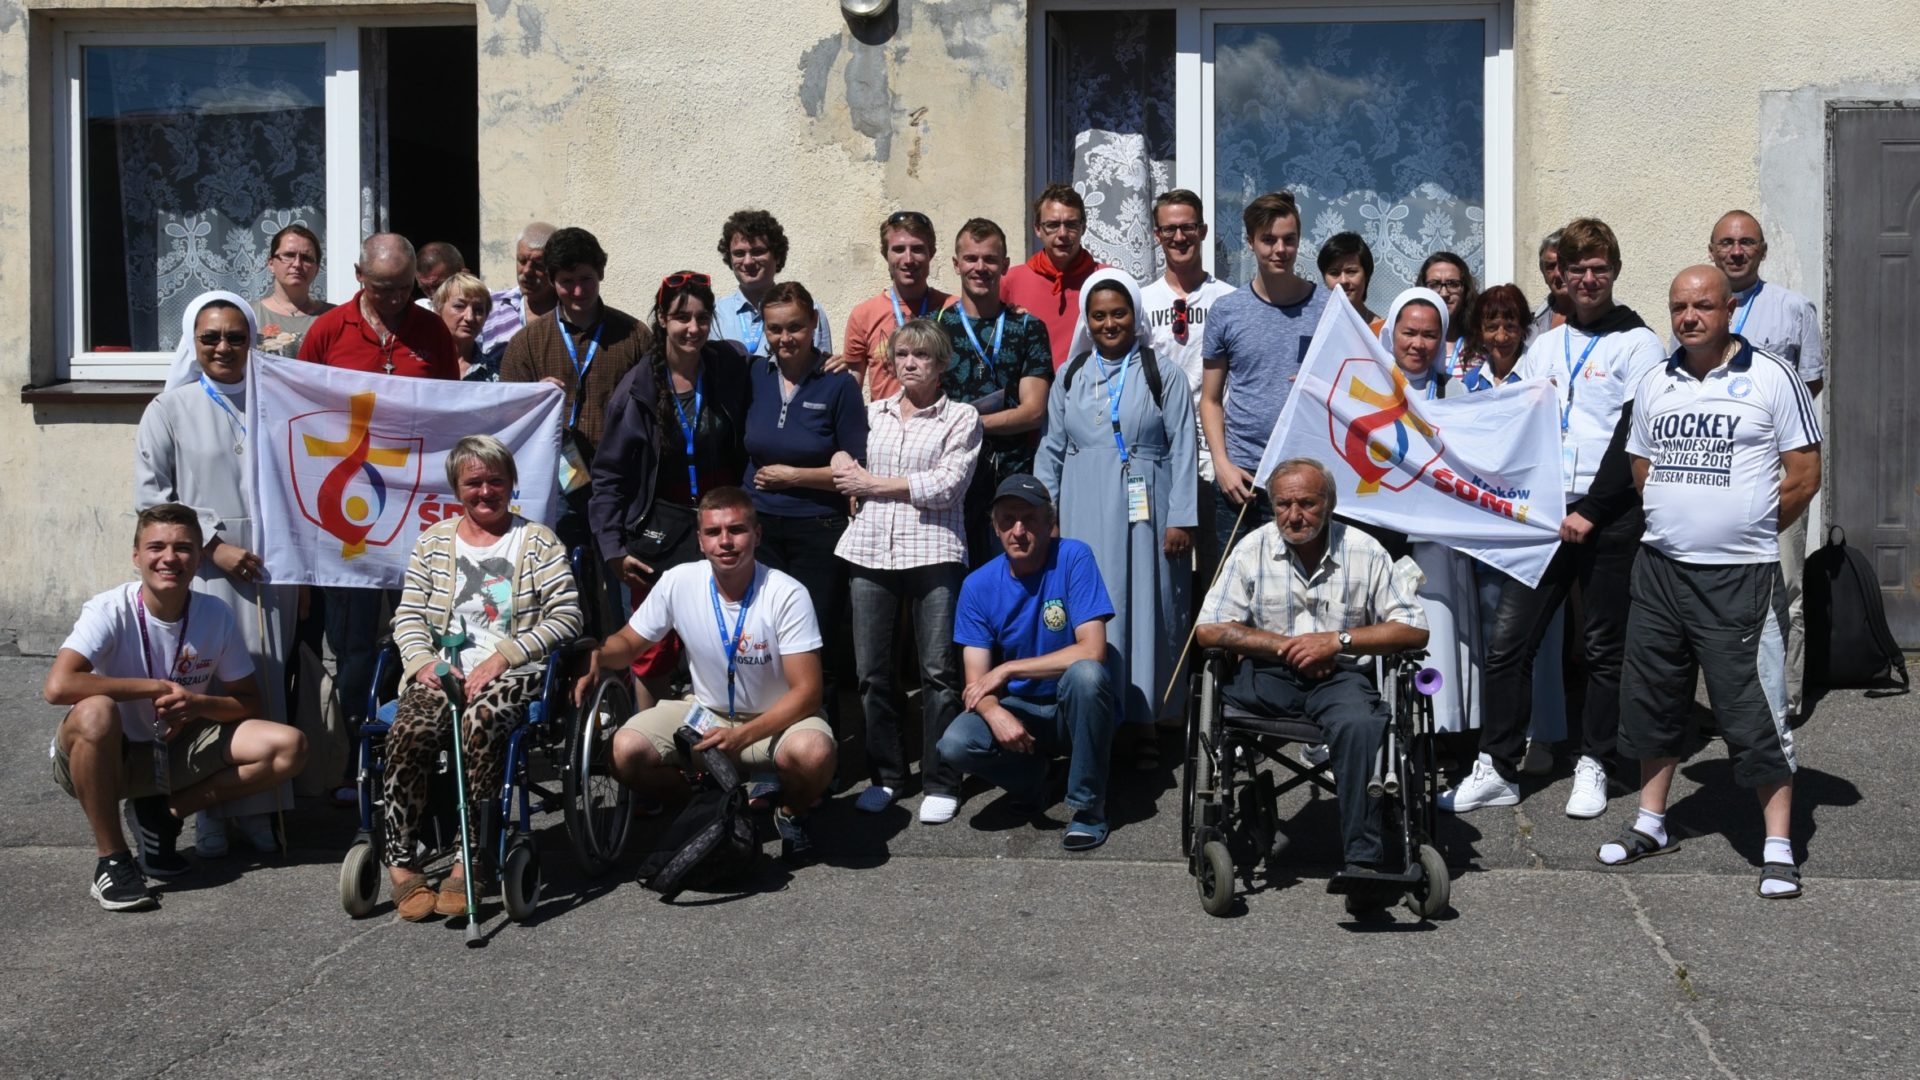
<point x="573" y="474"/>
<point x="699" y="720"/>
<point x="1569" y="466"/>
<point x="1138" y="509"/>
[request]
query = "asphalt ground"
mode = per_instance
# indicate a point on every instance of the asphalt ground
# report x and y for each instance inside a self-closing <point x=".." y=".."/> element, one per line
<point x="979" y="948"/>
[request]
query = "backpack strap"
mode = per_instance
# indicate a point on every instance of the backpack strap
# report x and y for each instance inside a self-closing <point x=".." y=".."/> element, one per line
<point x="1151" y="371"/>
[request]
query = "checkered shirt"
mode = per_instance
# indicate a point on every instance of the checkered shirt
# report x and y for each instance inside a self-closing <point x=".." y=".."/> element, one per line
<point x="1355" y="585"/>
<point x="935" y="449"/>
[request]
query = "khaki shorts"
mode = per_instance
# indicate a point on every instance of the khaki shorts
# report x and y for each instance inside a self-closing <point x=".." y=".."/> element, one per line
<point x="201" y="749"/>
<point x="659" y="723"/>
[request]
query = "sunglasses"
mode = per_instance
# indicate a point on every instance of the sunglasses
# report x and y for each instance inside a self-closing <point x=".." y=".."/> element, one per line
<point x="914" y="216"/>
<point x="236" y="338"/>
<point x="1180" y="321"/>
<point x="679" y="281"/>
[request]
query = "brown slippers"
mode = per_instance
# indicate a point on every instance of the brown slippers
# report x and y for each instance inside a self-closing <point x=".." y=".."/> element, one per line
<point x="453" y="893"/>
<point x="413" y="898"/>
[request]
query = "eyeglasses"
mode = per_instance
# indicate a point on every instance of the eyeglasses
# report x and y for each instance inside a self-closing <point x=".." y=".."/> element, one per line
<point x="1180" y="321"/>
<point x="1454" y="286"/>
<point x="1744" y="243"/>
<point x="236" y="338"/>
<point x="300" y="257"/>
<point x="1601" y="272"/>
<point x="915" y="217"/>
<point x="1183" y="229"/>
<point x="1072" y="225"/>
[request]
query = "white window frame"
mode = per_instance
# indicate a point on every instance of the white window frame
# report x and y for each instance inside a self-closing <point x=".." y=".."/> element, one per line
<point x="1194" y="25"/>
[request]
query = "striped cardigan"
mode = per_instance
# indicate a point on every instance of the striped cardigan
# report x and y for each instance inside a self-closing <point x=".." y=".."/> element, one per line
<point x="546" y="604"/>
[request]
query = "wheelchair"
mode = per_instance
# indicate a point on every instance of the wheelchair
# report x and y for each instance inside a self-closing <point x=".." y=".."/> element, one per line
<point x="1229" y="822"/>
<point x="560" y="757"/>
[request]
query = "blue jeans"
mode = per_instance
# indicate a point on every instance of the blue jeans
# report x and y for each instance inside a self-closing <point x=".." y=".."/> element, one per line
<point x="930" y="593"/>
<point x="353" y="630"/>
<point x="1226" y="515"/>
<point x="1077" y="723"/>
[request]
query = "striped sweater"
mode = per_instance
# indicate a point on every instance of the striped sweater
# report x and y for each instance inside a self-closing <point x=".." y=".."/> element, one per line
<point x="546" y="604"/>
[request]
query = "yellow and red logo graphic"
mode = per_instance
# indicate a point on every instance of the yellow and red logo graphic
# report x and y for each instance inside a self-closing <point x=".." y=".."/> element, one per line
<point x="366" y="496"/>
<point x="1387" y="440"/>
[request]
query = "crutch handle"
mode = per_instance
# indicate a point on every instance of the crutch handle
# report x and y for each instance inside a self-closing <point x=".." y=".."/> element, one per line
<point x="450" y="684"/>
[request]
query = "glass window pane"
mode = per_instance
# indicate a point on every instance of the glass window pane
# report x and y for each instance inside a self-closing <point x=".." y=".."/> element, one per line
<point x="193" y="157"/>
<point x="1376" y="128"/>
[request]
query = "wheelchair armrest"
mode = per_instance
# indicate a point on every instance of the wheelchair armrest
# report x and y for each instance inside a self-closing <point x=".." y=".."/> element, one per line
<point x="579" y="647"/>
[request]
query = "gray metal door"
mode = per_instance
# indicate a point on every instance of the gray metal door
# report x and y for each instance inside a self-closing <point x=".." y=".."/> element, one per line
<point x="1874" y="362"/>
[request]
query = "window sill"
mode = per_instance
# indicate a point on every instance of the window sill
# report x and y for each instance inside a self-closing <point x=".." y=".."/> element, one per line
<point x="92" y="392"/>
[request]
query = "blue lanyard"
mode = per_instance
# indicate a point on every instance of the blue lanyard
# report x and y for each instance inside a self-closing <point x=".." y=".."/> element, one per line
<point x="731" y="644"/>
<point x="899" y="314"/>
<point x="579" y="369"/>
<point x="999" y="333"/>
<point x="686" y="427"/>
<point x="1746" y="309"/>
<point x="750" y="320"/>
<point x="1453" y="356"/>
<point x="1117" y="386"/>
<point x="226" y="406"/>
<point x="1573" y="373"/>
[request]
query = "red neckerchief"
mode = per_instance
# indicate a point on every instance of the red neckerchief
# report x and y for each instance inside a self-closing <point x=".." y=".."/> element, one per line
<point x="1042" y="264"/>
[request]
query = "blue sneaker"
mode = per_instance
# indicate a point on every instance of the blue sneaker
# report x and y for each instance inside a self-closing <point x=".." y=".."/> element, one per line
<point x="874" y="799"/>
<point x="796" y="841"/>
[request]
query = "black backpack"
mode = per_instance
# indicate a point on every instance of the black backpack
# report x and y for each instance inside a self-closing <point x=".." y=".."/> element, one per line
<point x="712" y="841"/>
<point x="1848" y="643"/>
<point x="1148" y="367"/>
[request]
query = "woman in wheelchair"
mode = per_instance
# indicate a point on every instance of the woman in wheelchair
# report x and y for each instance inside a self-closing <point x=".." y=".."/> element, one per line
<point x="1300" y="600"/>
<point x="505" y="581"/>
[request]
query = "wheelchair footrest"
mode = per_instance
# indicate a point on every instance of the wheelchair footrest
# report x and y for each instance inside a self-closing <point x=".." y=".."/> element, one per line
<point x="1347" y="881"/>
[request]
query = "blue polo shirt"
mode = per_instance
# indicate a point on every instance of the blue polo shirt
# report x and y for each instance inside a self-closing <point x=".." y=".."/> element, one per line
<point x="1023" y="617"/>
<point x="825" y="415"/>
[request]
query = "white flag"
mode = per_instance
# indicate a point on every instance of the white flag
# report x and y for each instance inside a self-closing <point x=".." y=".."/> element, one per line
<point x="1479" y="474"/>
<point x="350" y="466"/>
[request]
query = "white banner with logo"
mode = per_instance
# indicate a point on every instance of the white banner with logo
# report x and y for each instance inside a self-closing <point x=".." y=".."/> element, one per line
<point x="350" y="466"/>
<point x="1479" y="474"/>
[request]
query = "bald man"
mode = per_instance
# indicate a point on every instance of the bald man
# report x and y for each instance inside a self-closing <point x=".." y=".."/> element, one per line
<point x="438" y="261"/>
<point x="532" y="294"/>
<point x="1725" y="449"/>
<point x="1784" y="323"/>
<point x="380" y="329"/>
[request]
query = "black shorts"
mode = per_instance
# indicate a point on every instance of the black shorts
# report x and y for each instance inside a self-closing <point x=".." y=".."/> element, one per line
<point x="1727" y="622"/>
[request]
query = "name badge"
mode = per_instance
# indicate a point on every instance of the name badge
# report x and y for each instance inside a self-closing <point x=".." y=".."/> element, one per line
<point x="699" y="720"/>
<point x="1138" y="509"/>
<point x="1569" y="466"/>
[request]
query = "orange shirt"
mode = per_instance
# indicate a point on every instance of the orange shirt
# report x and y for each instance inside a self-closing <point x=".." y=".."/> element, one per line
<point x="869" y="325"/>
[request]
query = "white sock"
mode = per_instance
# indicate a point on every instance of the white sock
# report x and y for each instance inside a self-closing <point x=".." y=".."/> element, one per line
<point x="1779" y="849"/>
<point x="1654" y="825"/>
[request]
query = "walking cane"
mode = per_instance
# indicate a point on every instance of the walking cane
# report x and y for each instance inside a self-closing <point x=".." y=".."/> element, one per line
<point x="451" y="642"/>
<point x="1232" y="535"/>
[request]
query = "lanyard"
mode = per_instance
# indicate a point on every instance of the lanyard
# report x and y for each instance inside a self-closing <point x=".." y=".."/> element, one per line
<point x="1573" y="373"/>
<point x="1117" y="386"/>
<point x="146" y="642"/>
<point x="730" y="644"/>
<point x="1746" y="309"/>
<point x="233" y="414"/>
<point x="900" y="315"/>
<point x="750" y="320"/>
<point x="1453" y="356"/>
<point x="579" y="369"/>
<point x="999" y="332"/>
<point x="686" y="426"/>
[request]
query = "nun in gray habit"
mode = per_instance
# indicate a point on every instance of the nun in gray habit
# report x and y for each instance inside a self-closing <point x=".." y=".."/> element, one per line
<point x="1137" y="514"/>
<point x="192" y="449"/>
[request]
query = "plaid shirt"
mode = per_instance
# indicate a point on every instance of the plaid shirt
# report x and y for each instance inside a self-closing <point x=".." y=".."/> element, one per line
<point x="935" y="450"/>
<point x="1356" y="584"/>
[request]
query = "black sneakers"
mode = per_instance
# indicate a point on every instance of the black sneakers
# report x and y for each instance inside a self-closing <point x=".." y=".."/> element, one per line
<point x="119" y="885"/>
<point x="155" y="831"/>
<point x="796" y="838"/>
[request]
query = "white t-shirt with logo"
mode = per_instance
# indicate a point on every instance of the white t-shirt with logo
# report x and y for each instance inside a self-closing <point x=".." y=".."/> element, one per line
<point x="1713" y="446"/>
<point x="1616" y="365"/>
<point x="483" y="593"/>
<point x="1157" y="297"/>
<point x="780" y="621"/>
<point x="108" y="635"/>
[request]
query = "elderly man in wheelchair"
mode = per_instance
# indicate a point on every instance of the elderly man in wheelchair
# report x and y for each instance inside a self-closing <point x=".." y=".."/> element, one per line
<point x="1300" y="602"/>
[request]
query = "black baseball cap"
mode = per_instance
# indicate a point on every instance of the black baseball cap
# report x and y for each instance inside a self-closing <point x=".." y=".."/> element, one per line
<point x="1025" y="488"/>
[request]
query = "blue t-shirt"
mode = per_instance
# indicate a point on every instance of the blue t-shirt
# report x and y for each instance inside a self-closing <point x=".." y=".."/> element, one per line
<point x="1034" y="615"/>
<point x="825" y="415"/>
<point x="1263" y="345"/>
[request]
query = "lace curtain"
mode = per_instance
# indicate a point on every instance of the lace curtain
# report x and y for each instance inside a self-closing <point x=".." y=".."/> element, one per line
<point x="1113" y="126"/>
<point x="197" y="155"/>
<point x="1374" y="126"/>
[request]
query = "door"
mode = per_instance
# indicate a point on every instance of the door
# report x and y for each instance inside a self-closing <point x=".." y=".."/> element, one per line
<point x="1874" y="362"/>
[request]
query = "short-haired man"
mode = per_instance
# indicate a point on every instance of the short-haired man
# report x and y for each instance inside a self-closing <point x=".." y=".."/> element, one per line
<point x="1775" y="319"/>
<point x="436" y="262"/>
<point x="1048" y="284"/>
<point x="381" y="329"/>
<point x="145" y="721"/>
<point x="1255" y="339"/>
<point x="1594" y="360"/>
<point x="753" y="648"/>
<point x="1725" y="447"/>
<point x="1553" y="310"/>
<point x="1302" y="598"/>
<point x="1002" y="366"/>
<point x="1032" y="626"/>
<point x="908" y="244"/>
<point x="755" y="248"/>
<point x="532" y="294"/>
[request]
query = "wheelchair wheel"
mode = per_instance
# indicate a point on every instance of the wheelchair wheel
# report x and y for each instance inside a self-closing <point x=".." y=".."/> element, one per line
<point x="598" y="807"/>
<point x="520" y="881"/>
<point x="360" y="880"/>
<point x="1214" y="876"/>
<point x="1430" y="898"/>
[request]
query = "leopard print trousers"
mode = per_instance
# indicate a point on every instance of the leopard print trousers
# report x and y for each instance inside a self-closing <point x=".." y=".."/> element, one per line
<point x="419" y="735"/>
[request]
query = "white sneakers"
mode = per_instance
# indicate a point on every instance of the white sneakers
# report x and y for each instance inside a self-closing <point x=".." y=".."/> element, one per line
<point x="1482" y="787"/>
<point x="1589" y="798"/>
<point x="938" y="809"/>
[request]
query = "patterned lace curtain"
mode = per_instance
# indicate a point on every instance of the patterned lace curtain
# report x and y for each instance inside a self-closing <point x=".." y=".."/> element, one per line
<point x="196" y="156"/>
<point x="1113" y="126"/>
<point x="1374" y="126"/>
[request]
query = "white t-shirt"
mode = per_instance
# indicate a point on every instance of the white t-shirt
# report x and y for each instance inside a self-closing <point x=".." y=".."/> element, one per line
<point x="1157" y="297"/>
<point x="1714" y="445"/>
<point x="780" y="621"/>
<point x="483" y="592"/>
<point x="1615" y="366"/>
<point x="108" y="635"/>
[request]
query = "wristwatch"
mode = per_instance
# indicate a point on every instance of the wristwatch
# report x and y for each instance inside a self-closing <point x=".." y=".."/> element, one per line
<point x="1346" y="640"/>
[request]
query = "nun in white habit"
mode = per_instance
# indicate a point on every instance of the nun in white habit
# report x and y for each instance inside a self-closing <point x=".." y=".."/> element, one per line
<point x="192" y="449"/>
<point x="1415" y="334"/>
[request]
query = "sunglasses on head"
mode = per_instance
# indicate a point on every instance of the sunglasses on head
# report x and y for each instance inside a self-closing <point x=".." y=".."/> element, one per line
<point x="1180" y="321"/>
<point x="680" y="281"/>
<point x="914" y="216"/>
<point x="235" y="338"/>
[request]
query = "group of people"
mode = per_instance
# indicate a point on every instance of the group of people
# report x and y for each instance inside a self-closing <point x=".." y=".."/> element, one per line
<point x="1010" y="495"/>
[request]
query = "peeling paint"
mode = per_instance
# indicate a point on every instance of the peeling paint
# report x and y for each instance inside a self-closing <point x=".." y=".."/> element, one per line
<point x="498" y="7"/>
<point x="969" y="33"/>
<point x="870" y="98"/>
<point x="533" y="27"/>
<point x="816" y="64"/>
<point x="9" y="15"/>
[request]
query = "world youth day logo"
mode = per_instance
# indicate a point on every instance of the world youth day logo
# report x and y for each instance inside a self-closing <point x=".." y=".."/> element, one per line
<point x="1385" y="440"/>
<point x="366" y="494"/>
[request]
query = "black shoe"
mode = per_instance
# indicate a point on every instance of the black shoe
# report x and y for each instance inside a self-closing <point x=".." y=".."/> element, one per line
<point x="796" y="840"/>
<point x="119" y="885"/>
<point x="155" y="833"/>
